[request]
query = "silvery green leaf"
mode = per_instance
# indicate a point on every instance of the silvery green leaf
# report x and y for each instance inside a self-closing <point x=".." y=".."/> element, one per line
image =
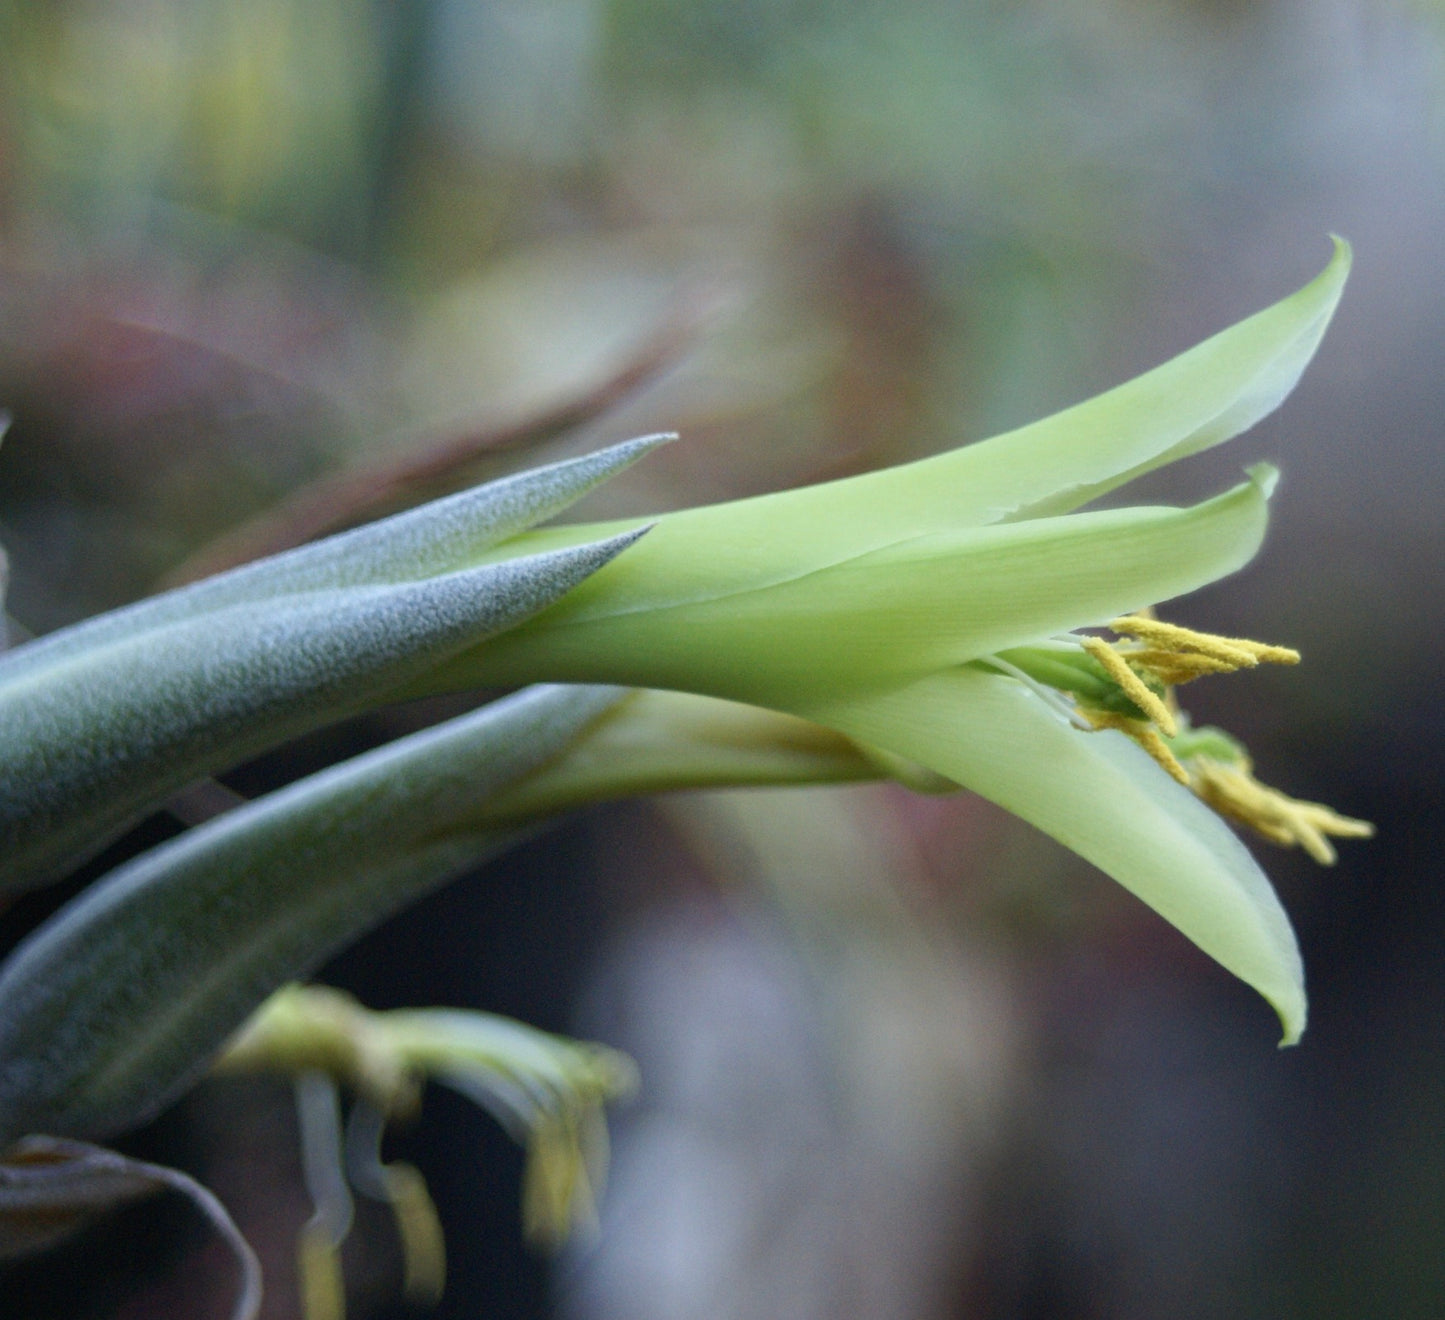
<point x="95" y="738"/>
<point x="438" y="537"/>
<point x="116" y="1003"/>
<point x="119" y="1001"/>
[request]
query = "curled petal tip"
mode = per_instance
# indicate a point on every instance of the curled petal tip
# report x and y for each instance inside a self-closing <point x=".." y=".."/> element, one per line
<point x="1265" y="477"/>
<point x="1292" y="1019"/>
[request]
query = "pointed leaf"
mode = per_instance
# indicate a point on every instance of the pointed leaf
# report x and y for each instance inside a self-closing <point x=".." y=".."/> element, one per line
<point x="118" y="1002"/>
<point x="96" y="739"/>
<point x="439" y="537"/>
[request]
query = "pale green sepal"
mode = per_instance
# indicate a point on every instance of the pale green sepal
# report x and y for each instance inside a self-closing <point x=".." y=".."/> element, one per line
<point x="98" y="738"/>
<point x="439" y="537"/>
<point x="1265" y="476"/>
<point x="1100" y="795"/>
<point x="118" y="1002"/>
<point x="868" y="620"/>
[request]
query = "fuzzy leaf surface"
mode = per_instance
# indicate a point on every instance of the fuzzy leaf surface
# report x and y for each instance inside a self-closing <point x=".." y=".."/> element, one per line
<point x="96" y="738"/>
<point x="117" y="1003"/>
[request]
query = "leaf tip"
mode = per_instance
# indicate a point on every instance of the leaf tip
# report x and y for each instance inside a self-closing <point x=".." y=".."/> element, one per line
<point x="629" y="451"/>
<point x="1343" y="258"/>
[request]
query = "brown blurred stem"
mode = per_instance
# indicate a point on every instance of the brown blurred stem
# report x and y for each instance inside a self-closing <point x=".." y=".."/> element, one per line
<point x="336" y="501"/>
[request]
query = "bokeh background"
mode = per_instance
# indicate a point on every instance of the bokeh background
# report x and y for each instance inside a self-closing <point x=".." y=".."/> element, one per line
<point x="903" y="1059"/>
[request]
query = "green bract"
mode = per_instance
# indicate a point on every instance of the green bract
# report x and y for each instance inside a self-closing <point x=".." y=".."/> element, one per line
<point x="860" y="605"/>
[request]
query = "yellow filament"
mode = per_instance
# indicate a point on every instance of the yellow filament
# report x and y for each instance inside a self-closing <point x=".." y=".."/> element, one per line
<point x="1130" y="683"/>
<point x="1232" y="790"/>
<point x="423" y="1248"/>
<point x="323" y="1294"/>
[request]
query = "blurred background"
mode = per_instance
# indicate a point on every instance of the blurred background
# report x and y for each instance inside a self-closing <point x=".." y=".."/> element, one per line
<point x="266" y="269"/>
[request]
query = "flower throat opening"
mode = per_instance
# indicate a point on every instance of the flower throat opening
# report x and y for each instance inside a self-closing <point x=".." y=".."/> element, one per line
<point x="1128" y="685"/>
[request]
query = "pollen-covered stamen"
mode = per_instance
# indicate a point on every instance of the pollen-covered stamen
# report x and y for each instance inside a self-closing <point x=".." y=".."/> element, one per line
<point x="1147" y="668"/>
<point x="1130" y="684"/>
<point x="1170" y="638"/>
<point x="1175" y="667"/>
<point x="1231" y="789"/>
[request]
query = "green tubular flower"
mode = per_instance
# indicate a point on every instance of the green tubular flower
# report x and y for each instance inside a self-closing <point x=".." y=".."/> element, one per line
<point x="873" y="606"/>
<point x="547" y="1091"/>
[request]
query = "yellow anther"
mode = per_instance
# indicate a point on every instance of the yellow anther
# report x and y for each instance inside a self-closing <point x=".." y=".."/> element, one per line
<point x="1175" y="667"/>
<point x="1270" y="655"/>
<point x="1233" y="791"/>
<point x="1143" y="733"/>
<point x="1170" y="637"/>
<point x="1236" y="652"/>
<point x="1130" y="684"/>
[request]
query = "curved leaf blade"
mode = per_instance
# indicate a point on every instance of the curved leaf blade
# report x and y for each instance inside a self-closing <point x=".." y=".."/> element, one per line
<point x="96" y="739"/>
<point x="116" y="1004"/>
<point x="439" y="537"/>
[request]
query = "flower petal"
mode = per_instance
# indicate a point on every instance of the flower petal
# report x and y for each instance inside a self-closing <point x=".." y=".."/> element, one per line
<point x="1200" y="398"/>
<point x="1100" y="795"/>
<point x="1197" y="400"/>
<point x="871" y="620"/>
